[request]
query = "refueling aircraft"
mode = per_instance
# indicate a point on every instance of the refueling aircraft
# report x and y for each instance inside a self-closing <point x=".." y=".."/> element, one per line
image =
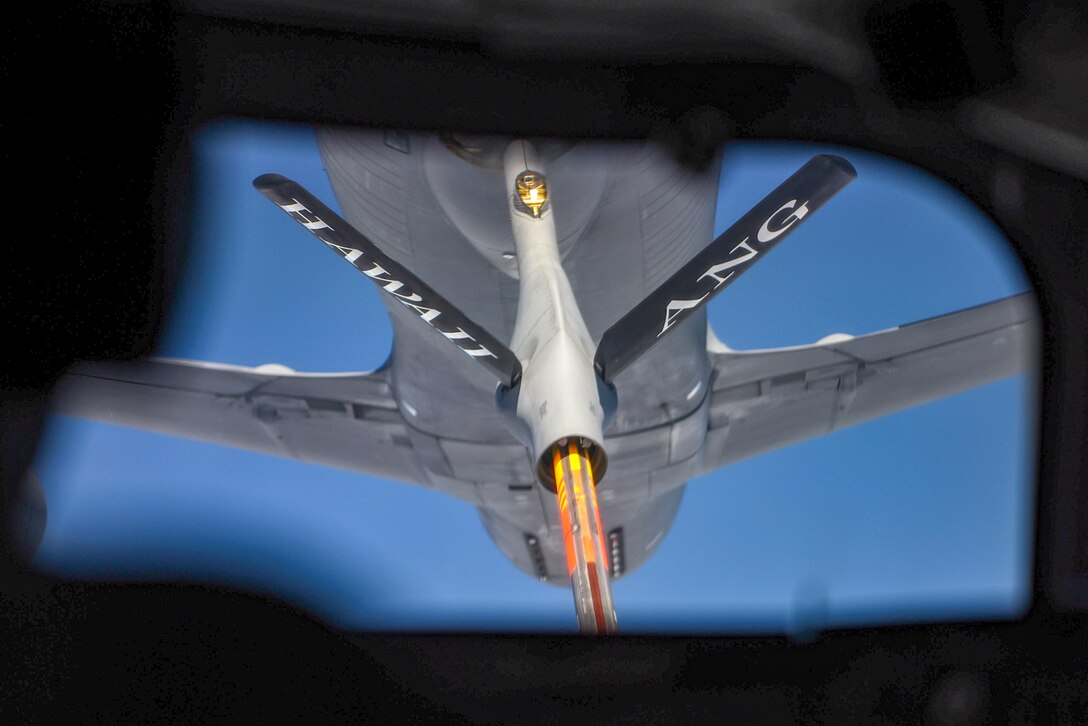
<point x="551" y="360"/>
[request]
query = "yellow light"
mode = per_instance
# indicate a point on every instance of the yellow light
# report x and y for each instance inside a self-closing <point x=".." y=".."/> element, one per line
<point x="533" y="191"/>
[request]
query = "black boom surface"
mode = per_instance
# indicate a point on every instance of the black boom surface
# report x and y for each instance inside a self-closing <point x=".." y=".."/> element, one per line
<point x="392" y="277"/>
<point x="722" y="261"/>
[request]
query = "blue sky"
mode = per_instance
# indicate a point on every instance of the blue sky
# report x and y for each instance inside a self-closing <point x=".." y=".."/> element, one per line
<point x="917" y="516"/>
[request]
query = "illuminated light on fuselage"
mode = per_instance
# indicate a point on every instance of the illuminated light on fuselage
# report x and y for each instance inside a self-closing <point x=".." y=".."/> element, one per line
<point x="532" y="190"/>
<point x="587" y="562"/>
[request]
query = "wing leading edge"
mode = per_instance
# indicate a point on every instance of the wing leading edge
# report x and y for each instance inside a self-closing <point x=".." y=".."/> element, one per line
<point x="762" y="400"/>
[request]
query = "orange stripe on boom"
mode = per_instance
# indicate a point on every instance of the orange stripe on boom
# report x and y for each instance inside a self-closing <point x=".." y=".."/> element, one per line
<point x="564" y="510"/>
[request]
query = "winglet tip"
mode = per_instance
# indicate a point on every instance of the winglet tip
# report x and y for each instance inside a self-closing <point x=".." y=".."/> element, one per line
<point x="266" y="181"/>
<point x="842" y="164"/>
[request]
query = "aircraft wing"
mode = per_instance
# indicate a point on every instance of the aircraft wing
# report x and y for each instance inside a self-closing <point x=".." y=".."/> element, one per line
<point x="765" y="399"/>
<point x="345" y="420"/>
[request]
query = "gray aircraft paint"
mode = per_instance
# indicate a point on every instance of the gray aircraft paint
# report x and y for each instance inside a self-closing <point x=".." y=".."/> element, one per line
<point x="686" y="407"/>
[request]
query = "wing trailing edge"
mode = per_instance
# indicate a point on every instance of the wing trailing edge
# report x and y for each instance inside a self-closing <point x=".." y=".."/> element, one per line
<point x="765" y="399"/>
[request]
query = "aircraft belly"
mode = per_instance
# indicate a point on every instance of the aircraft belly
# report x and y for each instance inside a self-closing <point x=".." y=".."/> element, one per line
<point x="666" y="384"/>
<point x="383" y="191"/>
<point x="474" y="195"/>
<point x="647" y="219"/>
<point x="774" y="419"/>
<point x="639" y="526"/>
<point x="441" y="391"/>
<point x="508" y="464"/>
<point x="640" y="219"/>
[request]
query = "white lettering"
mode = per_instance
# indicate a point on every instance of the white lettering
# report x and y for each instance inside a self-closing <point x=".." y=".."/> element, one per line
<point x="312" y="222"/>
<point x="478" y="352"/>
<point x="428" y="314"/>
<point x="460" y="334"/>
<point x="729" y="264"/>
<point x="391" y="286"/>
<point x="457" y="335"/>
<point x="350" y="253"/>
<point x="309" y="223"/>
<point x="673" y="310"/>
<point x="766" y="234"/>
